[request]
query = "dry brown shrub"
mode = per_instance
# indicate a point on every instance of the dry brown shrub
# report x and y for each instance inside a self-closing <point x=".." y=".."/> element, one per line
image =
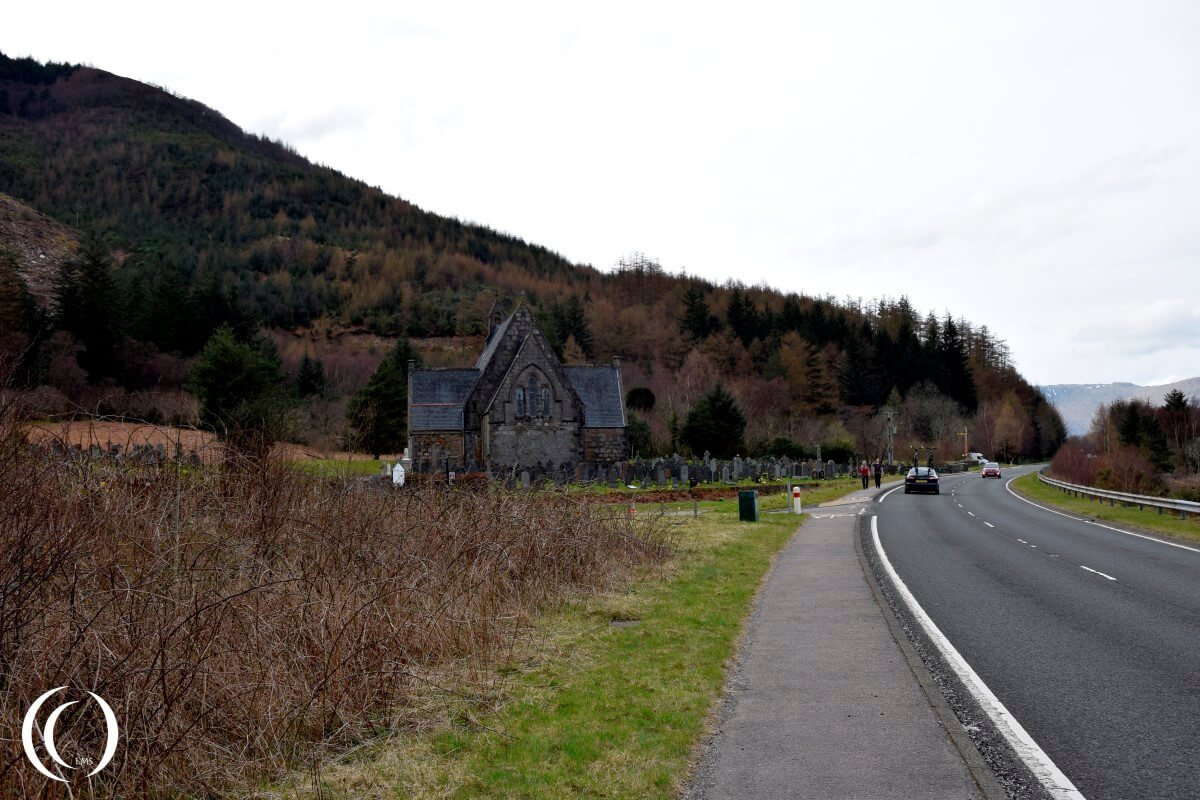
<point x="249" y="620"/>
<point x="1072" y="463"/>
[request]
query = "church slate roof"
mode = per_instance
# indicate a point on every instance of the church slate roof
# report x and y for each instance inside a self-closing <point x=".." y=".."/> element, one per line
<point x="600" y="390"/>
<point x="438" y="396"/>
<point x="492" y="343"/>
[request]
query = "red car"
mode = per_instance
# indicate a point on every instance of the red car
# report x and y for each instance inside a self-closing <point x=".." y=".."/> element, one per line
<point x="991" y="470"/>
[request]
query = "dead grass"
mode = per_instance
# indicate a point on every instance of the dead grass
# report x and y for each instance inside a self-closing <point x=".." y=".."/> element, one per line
<point x="101" y="433"/>
<point x="246" y="622"/>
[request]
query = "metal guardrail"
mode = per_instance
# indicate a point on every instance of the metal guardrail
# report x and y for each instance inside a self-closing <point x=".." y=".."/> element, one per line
<point x="1183" y="507"/>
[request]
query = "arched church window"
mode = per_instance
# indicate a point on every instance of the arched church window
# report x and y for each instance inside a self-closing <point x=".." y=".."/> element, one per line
<point x="520" y="401"/>
<point x="533" y="403"/>
<point x="545" y="401"/>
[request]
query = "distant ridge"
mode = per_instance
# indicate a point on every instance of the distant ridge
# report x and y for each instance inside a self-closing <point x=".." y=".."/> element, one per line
<point x="1077" y="402"/>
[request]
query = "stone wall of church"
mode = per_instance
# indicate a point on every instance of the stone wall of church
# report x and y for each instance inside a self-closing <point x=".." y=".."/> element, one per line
<point x="604" y="445"/>
<point x="535" y="441"/>
<point x="435" y="448"/>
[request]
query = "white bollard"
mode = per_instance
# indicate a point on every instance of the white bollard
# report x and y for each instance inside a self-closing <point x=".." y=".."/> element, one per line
<point x="796" y="504"/>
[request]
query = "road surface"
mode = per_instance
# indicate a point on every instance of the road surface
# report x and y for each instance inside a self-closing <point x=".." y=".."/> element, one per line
<point x="1088" y="636"/>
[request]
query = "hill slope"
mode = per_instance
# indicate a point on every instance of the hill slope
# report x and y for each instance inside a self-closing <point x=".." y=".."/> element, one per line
<point x="1077" y="402"/>
<point x="208" y="224"/>
<point x="39" y="245"/>
<point x="173" y="178"/>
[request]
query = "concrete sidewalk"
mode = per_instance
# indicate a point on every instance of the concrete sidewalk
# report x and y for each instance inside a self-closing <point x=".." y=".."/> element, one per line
<point x="823" y="703"/>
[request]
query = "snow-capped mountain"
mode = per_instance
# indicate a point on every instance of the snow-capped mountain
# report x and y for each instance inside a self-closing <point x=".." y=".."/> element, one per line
<point x="1077" y="402"/>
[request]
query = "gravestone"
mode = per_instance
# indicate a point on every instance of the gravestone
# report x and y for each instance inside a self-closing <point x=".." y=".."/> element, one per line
<point x="831" y="468"/>
<point x="683" y="474"/>
<point x="724" y="474"/>
<point x="525" y="479"/>
<point x="660" y="476"/>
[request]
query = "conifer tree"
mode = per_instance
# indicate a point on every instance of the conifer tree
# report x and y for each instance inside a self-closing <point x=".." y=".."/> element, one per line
<point x="698" y="321"/>
<point x="743" y="317"/>
<point x="1175" y="401"/>
<point x="858" y="375"/>
<point x="310" y="379"/>
<point x="378" y="413"/>
<point x="89" y="307"/>
<point x="716" y="424"/>
<point x="240" y="388"/>
<point x="957" y="382"/>
<point x="569" y="320"/>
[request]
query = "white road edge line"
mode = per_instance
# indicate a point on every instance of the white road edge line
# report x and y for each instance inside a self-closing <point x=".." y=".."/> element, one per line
<point x="1098" y="572"/>
<point x="1051" y="777"/>
<point x="884" y="496"/>
<point x="1091" y="522"/>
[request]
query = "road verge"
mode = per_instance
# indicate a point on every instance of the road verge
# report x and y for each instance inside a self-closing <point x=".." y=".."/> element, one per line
<point x="607" y="695"/>
<point x="1147" y="520"/>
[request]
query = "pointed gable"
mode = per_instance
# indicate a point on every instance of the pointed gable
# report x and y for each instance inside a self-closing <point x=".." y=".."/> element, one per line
<point x="515" y="344"/>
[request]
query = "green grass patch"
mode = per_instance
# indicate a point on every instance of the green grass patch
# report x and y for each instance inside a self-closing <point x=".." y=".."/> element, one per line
<point x="339" y="467"/>
<point x="585" y="708"/>
<point x="1147" y="519"/>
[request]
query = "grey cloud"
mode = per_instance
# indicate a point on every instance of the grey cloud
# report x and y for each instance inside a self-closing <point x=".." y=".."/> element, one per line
<point x="1032" y="216"/>
<point x="1147" y="330"/>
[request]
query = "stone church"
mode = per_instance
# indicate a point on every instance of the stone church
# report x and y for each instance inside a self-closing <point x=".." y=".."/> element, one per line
<point x="518" y="405"/>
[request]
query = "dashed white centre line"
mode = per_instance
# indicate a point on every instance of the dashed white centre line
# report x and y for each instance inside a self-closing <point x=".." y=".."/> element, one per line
<point x="990" y="525"/>
<point x="972" y="513"/>
<point x="1098" y="572"/>
<point x="1022" y="541"/>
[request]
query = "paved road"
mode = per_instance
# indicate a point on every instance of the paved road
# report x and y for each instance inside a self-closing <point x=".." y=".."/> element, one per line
<point x="1090" y="637"/>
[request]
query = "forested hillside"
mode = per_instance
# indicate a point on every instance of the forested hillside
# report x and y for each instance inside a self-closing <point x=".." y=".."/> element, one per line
<point x="189" y="224"/>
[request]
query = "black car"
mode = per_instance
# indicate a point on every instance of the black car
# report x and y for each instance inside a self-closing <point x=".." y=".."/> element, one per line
<point x="922" y="479"/>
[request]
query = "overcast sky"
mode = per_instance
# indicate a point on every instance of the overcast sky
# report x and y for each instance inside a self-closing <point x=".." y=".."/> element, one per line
<point x="1032" y="166"/>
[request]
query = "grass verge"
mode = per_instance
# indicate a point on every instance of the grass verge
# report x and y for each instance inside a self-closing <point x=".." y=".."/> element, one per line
<point x="609" y="695"/>
<point x="1148" y="520"/>
<point x="339" y="467"/>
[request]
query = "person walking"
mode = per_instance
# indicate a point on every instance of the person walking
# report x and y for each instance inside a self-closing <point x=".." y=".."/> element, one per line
<point x="878" y="472"/>
<point x="865" y="472"/>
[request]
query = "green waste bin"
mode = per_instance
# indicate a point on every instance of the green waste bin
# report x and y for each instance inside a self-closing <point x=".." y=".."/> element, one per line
<point x="748" y="505"/>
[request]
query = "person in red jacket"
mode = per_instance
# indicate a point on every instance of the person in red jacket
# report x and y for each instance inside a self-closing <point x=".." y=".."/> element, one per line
<point x="865" y="473"/>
